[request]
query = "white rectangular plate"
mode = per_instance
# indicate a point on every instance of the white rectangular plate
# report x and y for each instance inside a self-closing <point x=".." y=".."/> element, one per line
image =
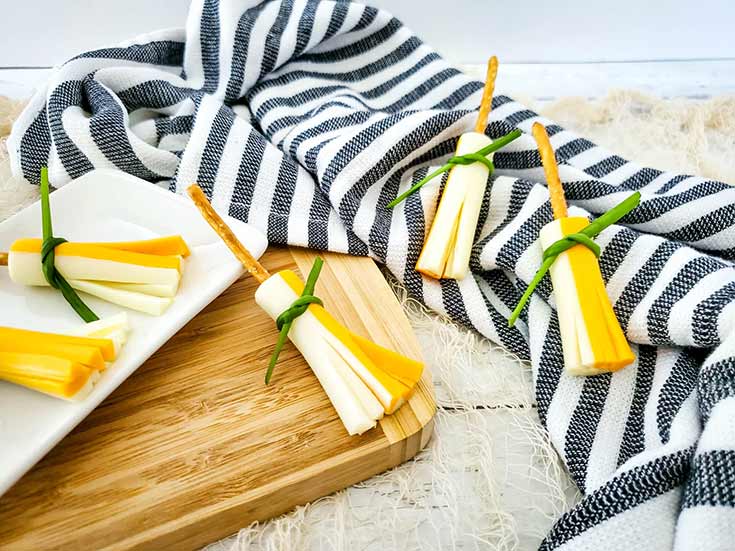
<point x="103" y="205"/>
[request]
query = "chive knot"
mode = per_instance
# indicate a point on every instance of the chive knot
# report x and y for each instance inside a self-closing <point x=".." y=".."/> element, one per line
<point x="297" y="308"/>
<point x="48" y="257"/>
<point x="583" y="237"/>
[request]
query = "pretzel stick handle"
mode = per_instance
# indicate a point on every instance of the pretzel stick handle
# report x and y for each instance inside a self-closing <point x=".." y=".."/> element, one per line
<point x="252" y="266"/>
<point x="487" y="95"/>
<point x="548" y="159"/>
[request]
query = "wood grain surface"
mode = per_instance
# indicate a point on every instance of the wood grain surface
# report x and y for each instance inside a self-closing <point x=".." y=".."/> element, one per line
<point x="194" y="446"/>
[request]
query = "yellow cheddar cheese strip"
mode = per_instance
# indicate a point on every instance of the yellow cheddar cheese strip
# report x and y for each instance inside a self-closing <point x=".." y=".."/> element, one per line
<point x="77" y="389"/>
<point x="592" y="339"/>
<point x="171" y="245"/>
<point x="89" y="356"/>
<point x="447" y="249"/>
<point x="39" y="366"/>
<point x="405" y="370"/>
<point x="99" y="252"/>
<point x="106" y="346"/>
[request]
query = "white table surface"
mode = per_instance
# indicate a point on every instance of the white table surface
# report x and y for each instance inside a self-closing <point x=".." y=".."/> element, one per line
<point x="541" y="81"/>
<point x="461" y="30"/>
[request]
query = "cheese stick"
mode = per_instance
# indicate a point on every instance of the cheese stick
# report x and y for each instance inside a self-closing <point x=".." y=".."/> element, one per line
<point x="64" y="366"/>
<point x="148" y="304"/>
<point x="75" y="390"/>
<point x="170" y="245"/>
<point x="360" y="390"/>
<point x="446" y="252"/>
<point x="86" y="261"/>
<point x="447" y="249"/>
<point x="140" y="275"/>
<point x="592" y="339"/>
<point x="106" y="346"/>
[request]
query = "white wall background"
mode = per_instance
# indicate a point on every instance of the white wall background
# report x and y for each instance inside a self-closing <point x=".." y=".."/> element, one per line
<point x="44" y="32"/>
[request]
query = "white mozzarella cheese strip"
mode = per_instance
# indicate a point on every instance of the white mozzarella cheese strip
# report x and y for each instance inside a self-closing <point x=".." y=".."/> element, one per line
<point x="25" y="269"/>
<point x="446" y="252"/>
<point x="153" y="289"/>
<point x="381" y="393"/>
<point x="115" y="328"/>
<point x="103" y="327"/>
<point x="147" y="304"/>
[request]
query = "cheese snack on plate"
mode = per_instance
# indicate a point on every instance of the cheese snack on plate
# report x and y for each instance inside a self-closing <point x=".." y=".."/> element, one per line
<point x="140" y="275"/>
<point x="61" y="365"/>
<point x="592" y="339"/>
<point x="363" y="381"/>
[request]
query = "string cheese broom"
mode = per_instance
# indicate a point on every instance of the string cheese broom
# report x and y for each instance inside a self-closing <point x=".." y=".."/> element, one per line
<point x="447" y="249"/>
<point x="364" y="381"/>
<point x="140" y="275"/>
<point x="592" y="339"/>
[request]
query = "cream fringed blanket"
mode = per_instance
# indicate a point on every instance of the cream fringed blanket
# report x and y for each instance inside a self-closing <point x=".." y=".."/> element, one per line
<point x="490" y="478"/>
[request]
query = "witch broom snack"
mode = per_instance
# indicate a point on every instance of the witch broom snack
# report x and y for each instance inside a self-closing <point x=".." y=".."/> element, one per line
<point x="140" y="275"/>
<point x="364" y="381"/>
<point x="592" y="339"/>
<point x="446" y="251"/>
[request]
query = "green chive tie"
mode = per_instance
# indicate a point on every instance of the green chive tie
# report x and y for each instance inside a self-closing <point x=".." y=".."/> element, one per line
<point x="297" y="308"/>
<point x="53" y="277"/>
<point x="583" y="237"/>
<point x="479" y="156"/>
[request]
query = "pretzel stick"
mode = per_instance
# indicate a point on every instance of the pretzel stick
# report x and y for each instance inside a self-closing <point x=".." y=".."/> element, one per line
<point x="548" y="159"/>
<point x="252" y="266"/>
<point x="487" y="95"/>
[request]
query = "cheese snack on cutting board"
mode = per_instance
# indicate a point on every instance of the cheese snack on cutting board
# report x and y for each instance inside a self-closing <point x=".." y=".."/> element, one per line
<point x="140" y="275"/>
<point x="364" y="381"/>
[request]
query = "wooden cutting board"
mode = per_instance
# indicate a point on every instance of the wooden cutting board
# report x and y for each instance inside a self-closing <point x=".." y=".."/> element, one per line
<point x="194" y="446"/>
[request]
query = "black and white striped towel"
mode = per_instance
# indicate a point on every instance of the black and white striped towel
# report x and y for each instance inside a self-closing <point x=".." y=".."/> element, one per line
<point x="305" y="117"/>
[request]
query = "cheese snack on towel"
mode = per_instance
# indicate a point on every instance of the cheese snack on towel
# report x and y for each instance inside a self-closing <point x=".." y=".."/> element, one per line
<point x="592" y="339"/>
<point x="446" y="252"/>
<point x="448" y="245"/>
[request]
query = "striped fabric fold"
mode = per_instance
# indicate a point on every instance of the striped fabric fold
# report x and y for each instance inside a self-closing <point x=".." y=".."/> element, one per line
<point x="306" y="117"/>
